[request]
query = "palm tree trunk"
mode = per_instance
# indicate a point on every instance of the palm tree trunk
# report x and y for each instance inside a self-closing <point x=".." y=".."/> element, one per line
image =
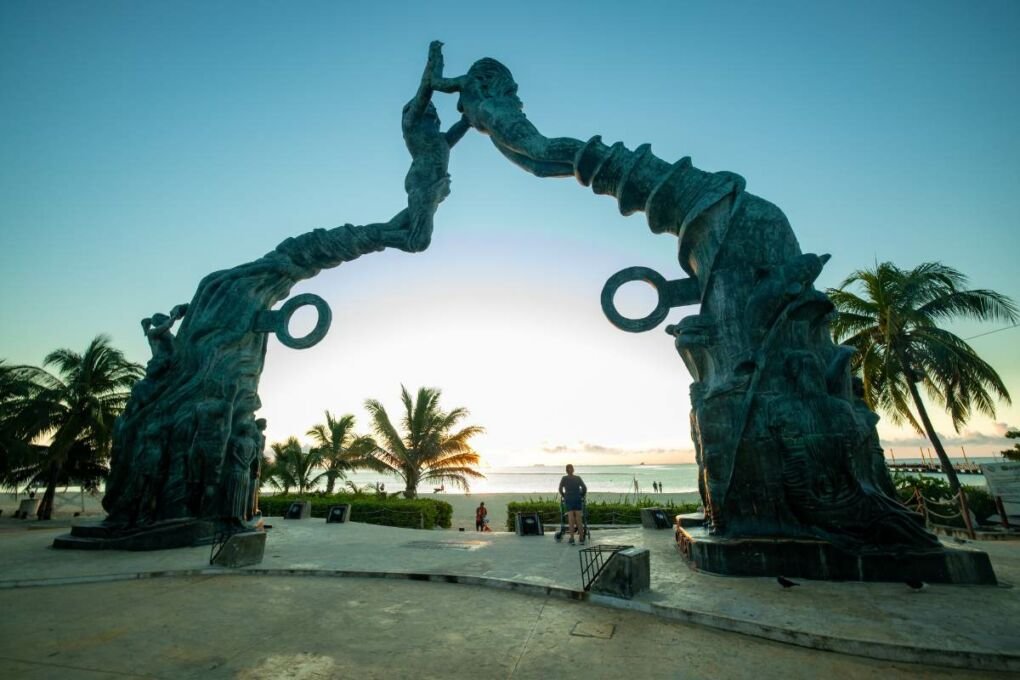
<point x="330" y="481"/>
<point x="947" y="465"/>
<point x="46" y="506"/>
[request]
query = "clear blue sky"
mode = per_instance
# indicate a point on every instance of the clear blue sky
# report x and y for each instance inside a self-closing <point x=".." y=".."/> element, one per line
<point x="145" y="144"/>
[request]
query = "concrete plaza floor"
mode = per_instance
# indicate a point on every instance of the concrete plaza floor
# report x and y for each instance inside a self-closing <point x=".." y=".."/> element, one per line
<point x="502" y="606"/>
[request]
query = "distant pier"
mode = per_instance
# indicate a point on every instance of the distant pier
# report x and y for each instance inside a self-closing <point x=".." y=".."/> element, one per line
<point x="960" y="468"/>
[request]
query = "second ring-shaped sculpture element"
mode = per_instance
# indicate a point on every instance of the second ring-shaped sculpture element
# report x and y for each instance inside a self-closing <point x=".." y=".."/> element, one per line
<point x="671" y="294"/>
<point x="278" y="320"/>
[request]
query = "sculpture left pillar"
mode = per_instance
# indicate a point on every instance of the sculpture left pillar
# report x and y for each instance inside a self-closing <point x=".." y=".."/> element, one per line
<point x="186" y="450"/>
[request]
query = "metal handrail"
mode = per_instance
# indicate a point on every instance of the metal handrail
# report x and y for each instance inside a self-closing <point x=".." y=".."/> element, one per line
<point x="594" y="560"/>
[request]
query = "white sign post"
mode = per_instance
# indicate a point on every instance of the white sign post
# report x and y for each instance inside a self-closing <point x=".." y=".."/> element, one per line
<point x="1003" y="480"/>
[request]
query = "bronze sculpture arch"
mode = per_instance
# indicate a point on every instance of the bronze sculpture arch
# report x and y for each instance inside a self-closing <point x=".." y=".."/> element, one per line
<point x="791" y="472"/>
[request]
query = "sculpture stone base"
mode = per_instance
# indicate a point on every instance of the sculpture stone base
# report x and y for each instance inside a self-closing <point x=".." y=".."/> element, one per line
<point x="823" y="561"/>
<point x="691" y="519"/>
<point x="180" y="533"/>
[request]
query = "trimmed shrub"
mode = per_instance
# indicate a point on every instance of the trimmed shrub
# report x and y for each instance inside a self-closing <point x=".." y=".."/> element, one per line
<point x="599" y="512"/>
<point x="979" y="500"/>
<point x="393" y="512"/>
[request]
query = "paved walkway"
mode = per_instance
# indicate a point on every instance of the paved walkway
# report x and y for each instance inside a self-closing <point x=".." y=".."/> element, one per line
<point x="963" y="626"/>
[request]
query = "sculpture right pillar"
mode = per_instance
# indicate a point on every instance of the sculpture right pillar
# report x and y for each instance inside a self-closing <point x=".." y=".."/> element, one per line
<point x="787" y="453"/>
<point x="786" y="450"/>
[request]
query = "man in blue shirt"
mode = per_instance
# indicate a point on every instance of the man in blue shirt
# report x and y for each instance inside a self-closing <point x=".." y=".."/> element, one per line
<point x="573" y="491"/>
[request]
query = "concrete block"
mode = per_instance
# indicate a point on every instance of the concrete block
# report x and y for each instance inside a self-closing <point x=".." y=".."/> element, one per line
<point x="339" y="514"/>
<point x="655" y="518"/>
<point x="27" y="508"/>
<point x="627" y="573"/>
<point x="528" y="524"/>
<point x="241" y="550"/>
<point x="299" y="510"/>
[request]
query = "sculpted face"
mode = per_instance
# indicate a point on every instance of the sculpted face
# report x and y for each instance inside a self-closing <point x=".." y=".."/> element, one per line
<point x="488" y="79"/>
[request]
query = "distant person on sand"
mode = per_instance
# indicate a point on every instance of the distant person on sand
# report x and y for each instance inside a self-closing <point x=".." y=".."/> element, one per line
<point x="481" y="517"/>
<point x="573" y="491"/>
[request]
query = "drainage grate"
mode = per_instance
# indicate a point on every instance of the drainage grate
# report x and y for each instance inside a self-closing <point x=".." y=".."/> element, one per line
<point x="446" y="545"/>
<point x="603" y="631"/>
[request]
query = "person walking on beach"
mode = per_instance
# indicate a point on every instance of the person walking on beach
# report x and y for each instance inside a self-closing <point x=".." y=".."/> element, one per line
<point x="480" y="517"/>
<point x="572" y="491"/>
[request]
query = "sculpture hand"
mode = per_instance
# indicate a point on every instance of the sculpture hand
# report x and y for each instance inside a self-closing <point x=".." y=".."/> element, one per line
<point x="434" y="65"/>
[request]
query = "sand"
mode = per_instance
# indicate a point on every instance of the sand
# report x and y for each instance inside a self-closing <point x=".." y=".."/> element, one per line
<point x="68" y="503"/>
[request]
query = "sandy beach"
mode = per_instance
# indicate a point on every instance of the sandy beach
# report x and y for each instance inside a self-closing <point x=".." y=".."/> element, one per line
<point x="68" y="503"/>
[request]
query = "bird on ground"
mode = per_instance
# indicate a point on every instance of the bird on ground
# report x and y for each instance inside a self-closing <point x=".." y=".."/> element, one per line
<point x="916" y="585"/>
<point x="785" y="582"/>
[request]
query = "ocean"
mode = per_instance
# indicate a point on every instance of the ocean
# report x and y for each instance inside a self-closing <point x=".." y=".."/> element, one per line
<point x="541" y="479"/>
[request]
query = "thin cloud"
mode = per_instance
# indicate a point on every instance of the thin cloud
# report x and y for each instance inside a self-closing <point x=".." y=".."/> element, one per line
<point x="967" y="437"/>
<point x="600" y="449"/>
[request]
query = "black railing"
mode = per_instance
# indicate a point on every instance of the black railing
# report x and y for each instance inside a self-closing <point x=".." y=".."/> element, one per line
<point x="594" y="560"/>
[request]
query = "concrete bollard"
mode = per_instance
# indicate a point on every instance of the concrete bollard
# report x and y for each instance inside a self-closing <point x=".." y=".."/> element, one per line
<point x="241" y="550"/>
<point x="655" y="518"/>
<point x="299" y="510"/>
<point x="627" y="573"/>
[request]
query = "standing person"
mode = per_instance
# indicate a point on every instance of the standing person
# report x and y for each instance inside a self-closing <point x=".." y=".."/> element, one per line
<point x="573" y="491"/>
<point x="480" y="513"/>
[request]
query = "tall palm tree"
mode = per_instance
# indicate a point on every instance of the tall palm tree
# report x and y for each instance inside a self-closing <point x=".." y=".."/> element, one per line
<point x="893" y="326"/>
<point x="75" y="409"/>
<point x="292" y="467"/>
<point x="429" y="449"/>
<point x="341" y="450"/>
<point x="17" y="455"/>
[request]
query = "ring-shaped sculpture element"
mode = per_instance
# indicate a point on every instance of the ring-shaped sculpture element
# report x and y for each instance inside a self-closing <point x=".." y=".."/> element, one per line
<point x="281" y="320"/>
<point x="649" y="276"/>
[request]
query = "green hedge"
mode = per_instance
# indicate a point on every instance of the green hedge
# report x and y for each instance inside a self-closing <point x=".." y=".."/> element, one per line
<point x="599" y="512"/>
<point x="979" y="500"/>
<point x="392" y="512"/>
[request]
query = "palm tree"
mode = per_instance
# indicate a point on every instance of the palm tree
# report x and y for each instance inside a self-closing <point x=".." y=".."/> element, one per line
<point x="893" y="327"/>
<point x="17" y="383"/>
<point x="342" y="450"/>
<point x="428" y="450"/>
<point x="75" y="410"/>
<point x="293" y="467"/>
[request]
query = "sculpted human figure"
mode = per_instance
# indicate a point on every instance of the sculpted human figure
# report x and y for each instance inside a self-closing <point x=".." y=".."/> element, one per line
<point x="871" y="456"/>
<point x="488" y="100"/>
<point x="236" y="476"/>
<point x="161" y="340"/>
<point x="819" y="438"/>
<point x="427" y="178"/>
<point x="201" y="387"/>
<point x="256" y="468"/>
